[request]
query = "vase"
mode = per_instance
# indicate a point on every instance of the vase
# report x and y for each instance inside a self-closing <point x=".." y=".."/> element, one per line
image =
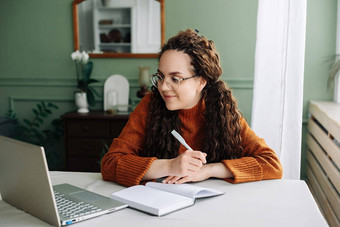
<point x="81" y="102"/>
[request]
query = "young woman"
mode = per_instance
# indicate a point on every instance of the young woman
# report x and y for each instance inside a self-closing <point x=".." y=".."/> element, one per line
<point x="187" y="96"/>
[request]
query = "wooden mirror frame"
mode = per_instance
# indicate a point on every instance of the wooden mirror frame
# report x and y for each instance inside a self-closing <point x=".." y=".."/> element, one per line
<point x="115" y="55"/>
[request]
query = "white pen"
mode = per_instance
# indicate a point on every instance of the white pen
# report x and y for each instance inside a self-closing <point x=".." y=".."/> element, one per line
<point x="181" y="140"/>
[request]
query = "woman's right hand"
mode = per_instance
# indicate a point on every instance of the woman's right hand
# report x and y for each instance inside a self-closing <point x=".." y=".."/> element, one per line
<point x="187" y="163"/>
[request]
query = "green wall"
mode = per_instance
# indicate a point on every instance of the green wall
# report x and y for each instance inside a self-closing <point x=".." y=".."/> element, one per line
<point x="320" y="45"/>
<point x="35" y="61"/>
<point x="36" y="38"/>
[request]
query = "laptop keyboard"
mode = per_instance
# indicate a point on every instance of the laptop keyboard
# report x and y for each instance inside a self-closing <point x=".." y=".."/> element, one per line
<point x="72" y="209"/>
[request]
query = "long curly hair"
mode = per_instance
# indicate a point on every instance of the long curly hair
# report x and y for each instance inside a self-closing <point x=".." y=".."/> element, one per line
<point x="222" y="138"/>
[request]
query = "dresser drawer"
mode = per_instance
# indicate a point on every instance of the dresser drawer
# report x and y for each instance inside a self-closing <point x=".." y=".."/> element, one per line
<point x="85" y="136"/>
<point x="86" y="147"/>
<point x="88" y="128"/>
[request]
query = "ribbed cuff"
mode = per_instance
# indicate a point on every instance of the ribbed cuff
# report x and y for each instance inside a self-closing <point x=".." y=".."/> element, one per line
<point x="244" y="169"/>
<point x="131" y="169"/>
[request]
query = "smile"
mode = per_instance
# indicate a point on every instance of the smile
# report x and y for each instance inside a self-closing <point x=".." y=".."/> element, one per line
<point x="167" y="97"/>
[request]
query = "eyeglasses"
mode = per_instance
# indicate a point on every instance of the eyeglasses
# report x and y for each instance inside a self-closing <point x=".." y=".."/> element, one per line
<point x="173" y="83"/>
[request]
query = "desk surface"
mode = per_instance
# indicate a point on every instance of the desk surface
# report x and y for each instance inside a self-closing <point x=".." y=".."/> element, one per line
<point x="264" y="203"/>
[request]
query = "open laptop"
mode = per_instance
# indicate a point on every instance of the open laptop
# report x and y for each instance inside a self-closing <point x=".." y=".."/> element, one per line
<point x="25" y="183"/>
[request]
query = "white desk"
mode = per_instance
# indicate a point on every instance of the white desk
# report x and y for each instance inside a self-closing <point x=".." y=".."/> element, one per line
<point x="264" y="203"/>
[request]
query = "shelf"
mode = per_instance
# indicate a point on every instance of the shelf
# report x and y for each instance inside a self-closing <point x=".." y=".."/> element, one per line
<point x="108" y="8"/>
<point x="114" y="44"/>
<point x="113" y="28"/>
<point x="109" y="26"/>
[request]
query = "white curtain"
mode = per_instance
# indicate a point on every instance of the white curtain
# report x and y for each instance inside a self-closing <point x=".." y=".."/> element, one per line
<point x="278" y="79"/>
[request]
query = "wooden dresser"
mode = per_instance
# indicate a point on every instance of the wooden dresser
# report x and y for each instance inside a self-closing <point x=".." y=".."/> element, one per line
<point x="323" y="158"/>
<point x="86" y="136"/>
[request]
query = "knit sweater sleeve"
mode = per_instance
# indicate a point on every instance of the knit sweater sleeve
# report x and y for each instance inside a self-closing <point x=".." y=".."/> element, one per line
<point x="258" y="161"/>
<point x="122" y="163"/>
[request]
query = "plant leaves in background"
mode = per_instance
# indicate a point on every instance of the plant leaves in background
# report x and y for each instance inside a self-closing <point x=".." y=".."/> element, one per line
<point x="39" y="108"/>
<point x="52" y="105"/>
<point x="31" y="131"/>
<point x="90" y="97"/>
<point x="36" y="113"/>
<point x="334" y="69"/>
<point x="88" y="71"/>
<point x="29" y="123"/>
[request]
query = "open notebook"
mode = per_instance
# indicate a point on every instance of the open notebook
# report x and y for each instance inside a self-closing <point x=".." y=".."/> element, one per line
<point x="25" y="183"/>
<point x="160" y="199"/>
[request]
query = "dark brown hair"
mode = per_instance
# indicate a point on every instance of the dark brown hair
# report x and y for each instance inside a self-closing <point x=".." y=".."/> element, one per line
<point x="222" y="139"/>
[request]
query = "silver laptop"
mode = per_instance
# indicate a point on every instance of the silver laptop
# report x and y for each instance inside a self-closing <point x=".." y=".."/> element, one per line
<point x="25" y="183"/>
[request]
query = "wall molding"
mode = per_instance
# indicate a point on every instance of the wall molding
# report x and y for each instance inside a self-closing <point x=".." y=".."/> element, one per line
<point x="13" y="99"/>
<point x="46" y="82"/>
<point x="66" y="82"/>
<point x="240" y="83"/>
<point x="234" y="83"/>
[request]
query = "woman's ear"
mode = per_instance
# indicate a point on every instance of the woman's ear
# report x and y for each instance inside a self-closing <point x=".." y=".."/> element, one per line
<point x="202" y="83"/>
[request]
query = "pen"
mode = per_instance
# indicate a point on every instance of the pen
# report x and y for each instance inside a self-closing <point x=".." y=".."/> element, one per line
<point x="181" y="140"/>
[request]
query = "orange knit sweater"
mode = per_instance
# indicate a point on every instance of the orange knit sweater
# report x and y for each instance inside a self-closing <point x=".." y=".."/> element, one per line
<point x="122" y="164"/>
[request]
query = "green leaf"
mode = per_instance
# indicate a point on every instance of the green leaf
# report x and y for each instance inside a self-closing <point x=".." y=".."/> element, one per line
<point x="48" y="111"/>
<point x="27" y="122"/>
<point x="10" y="115"/>
<point x="52" y="105"/>
<point x="88" y="70"/>
<point x="39" y="108"/>
<point x="35" y="111"/>
<point x="90" y="81"/>
<point x="90" y="97"/>
<point x="40" y="120"/>
<point x="95" y="92"/>
<point x="43" y="105"/>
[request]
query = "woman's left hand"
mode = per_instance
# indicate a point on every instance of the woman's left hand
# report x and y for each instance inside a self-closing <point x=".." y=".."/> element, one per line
<point x="217" y="170"/>
<point x="200" y="175"/>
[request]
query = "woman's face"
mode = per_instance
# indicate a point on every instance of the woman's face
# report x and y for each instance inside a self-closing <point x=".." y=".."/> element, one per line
<point x="175" y="63"/>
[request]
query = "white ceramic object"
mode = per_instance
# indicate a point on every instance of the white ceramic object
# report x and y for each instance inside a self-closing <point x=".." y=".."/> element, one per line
<point x="81" y="102"/>
<point x="116" y="93"/>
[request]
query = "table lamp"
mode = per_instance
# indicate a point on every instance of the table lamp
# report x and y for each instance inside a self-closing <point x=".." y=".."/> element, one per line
<point x="143" y="81"/>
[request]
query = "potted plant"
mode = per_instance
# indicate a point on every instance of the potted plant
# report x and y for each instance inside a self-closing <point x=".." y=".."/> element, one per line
<point x="84" y="96"/>
<point x="37" y="131"/>
<point x="333" y="78"/>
